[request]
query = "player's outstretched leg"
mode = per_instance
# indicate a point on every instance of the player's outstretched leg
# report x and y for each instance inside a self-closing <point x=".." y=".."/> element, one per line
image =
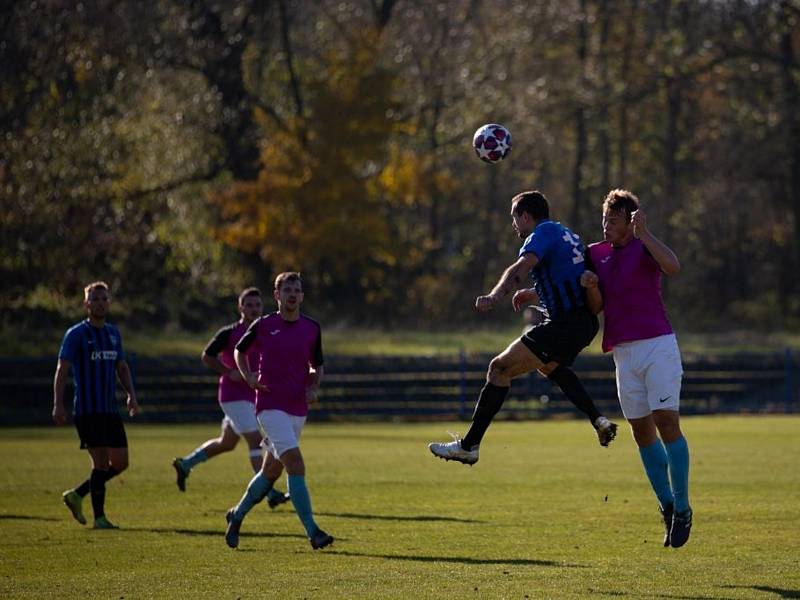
<point x="256" y="491"/>
<point x="183" y="466"/>
<point x="573" y="389"/>
<point x="466" y="450"/>
<point x="302" y="505"/>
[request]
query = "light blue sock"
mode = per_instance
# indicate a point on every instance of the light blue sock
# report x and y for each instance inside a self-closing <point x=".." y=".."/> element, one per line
<point x="678" y="453"/>
<point x="194" y="459"/>
<point x="654" y="458"/>
<point x="256" y="490"/>
<point x="302" y="502"/>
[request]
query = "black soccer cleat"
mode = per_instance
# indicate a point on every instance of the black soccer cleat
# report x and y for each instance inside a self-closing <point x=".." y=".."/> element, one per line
<point x="181" y="474"/>
<point x="278" y="500"/>
<point x="320" y="539"/>
<point x="681" y="527"/>
<point x="606" y="431"/>
<point x="666" y="514"/>
<point x="232" y="531"/>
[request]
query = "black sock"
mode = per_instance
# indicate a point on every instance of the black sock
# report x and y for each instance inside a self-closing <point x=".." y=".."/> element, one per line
<point x="98" y="485"/>
<point x="489" y="403"/>
<point x="574" y="391"/>
<point x="86" y="486"/>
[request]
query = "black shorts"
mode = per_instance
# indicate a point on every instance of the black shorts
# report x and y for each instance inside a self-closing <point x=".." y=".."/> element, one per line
<point x="562" y="340"/>
<point x="101" y="431"/>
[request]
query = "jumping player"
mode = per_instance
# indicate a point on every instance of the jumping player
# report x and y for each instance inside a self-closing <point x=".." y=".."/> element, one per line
<point x="624" y="280"/>
<point x="553" y="256"/>
<point x="236" y="398"/>
<point x="93" y="349"/>
<point x="288" y="349"/>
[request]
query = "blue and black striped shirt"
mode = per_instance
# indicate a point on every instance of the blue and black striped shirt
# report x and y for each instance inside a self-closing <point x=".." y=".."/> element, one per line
<point x="94" y="354"/>
<point x="557" y="275"/>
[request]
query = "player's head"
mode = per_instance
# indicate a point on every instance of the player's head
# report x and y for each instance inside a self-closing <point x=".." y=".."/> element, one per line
<point x="96" y="299"/>
<point x="289" y="291"/>
<point x="618" y="207"/>
<point x="528" y="209"/>
<point x="250" y="304"/>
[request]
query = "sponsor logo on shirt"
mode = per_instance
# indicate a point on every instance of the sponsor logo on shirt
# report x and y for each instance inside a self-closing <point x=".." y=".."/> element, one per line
<point x="103" y="355"/>
<point x="275" y="332"/>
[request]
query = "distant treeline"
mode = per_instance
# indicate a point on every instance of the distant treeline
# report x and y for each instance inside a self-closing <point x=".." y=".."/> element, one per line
<point x="181" y="151"/>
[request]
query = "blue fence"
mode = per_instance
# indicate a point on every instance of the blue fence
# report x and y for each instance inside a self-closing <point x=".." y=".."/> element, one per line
<point x="180" y="389"/>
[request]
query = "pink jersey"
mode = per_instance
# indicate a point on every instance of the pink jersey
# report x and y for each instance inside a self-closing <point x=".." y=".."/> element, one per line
<point x="284" y="352"/>
<point x="222" y="347"/>
<point x="630" y="282"/>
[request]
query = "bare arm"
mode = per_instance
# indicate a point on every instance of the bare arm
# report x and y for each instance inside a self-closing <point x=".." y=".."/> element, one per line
<point x="594" y="299"/>
<point x="247" y="374"/>
<point x="510" y="281"/>
<point x="215" y="364"/>
<point x="662" y="253"/>
<point x="124" y="376"/>
<point x="59" y="385"/>
<point x="315" y="379"/>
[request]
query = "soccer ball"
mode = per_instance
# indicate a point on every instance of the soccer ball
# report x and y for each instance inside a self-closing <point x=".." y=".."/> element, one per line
<point x="492" y="143"/>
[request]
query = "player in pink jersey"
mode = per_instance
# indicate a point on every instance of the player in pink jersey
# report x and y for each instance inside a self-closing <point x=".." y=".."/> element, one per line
<point x="236" y="398"/>
<point x="623" y="278"/>
<point x="288" y="350"/>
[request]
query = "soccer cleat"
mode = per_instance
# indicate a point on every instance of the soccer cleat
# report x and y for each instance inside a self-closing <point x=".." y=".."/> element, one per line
<point x="681" y="527"/>
<point x="232" y="531"/>
<point x="181" y="474"/>
<point x="454" y="451"/>
<point x="320" y="539"/>
<point x="278" y="500"/>
<point x="73" y="502"/>
<point x="103" y="523"/>
<point x="666" y="514"/>
<point x="606" y="430"/>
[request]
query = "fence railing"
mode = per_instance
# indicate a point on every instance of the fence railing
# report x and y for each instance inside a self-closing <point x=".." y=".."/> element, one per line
<point x="181" y="389"/>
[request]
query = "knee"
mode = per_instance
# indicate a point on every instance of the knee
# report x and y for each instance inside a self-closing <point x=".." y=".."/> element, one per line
<point x="226" y="444"/>
<point x="496" y="375"/>
<point x="293" y="461"/>
<point x="119" y="465"/>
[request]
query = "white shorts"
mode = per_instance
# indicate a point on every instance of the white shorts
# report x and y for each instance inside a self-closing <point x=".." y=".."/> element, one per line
<point x="282" y="431"/>
<point x="240" y="415"/>
<point x="648" y="375"/>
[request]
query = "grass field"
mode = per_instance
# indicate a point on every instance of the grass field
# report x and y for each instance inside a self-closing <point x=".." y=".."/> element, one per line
<point x="546" y="513"/>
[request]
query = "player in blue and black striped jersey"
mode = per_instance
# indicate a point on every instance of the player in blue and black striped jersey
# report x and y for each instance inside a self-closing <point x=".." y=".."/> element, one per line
<point x="554" y="257"/>
<point x="93" y="350"/>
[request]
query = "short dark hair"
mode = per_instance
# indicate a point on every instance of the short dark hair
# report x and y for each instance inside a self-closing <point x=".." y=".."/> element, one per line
<point x="102" y="285"/>
<point x="621" y="200"/>
<point x="534" y="203"/>
<point x="246" y="293"/>
<point x="287" y="276"/>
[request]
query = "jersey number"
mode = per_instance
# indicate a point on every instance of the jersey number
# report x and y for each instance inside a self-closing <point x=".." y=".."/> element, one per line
<point x="573" y="239"/>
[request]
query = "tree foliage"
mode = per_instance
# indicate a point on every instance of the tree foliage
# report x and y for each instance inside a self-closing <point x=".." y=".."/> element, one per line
<point x="182" y="151"/>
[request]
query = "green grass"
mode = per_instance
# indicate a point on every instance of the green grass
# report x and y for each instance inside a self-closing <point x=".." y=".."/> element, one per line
<point x="399" y="342"/>
<point x="546" y="513"/>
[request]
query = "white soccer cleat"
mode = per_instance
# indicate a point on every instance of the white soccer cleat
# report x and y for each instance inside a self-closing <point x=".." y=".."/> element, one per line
<point x="454" y="451"/>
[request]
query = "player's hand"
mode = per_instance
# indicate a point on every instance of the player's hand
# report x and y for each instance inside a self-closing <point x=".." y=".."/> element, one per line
<point x="639" y="223"/>
<point x="589" y="279"/>
<point x="59" y="414"/>
<point x="522" y="298"/>
<point x="253" y="382"/>
<point x="133" y="406"/>
<point x="484" y="303"/>
<point x="235" y="375"/>
<point x="312" y="395"/>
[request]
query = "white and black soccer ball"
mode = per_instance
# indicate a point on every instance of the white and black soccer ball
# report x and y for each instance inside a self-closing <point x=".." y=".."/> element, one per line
<point x="492" y="143"/>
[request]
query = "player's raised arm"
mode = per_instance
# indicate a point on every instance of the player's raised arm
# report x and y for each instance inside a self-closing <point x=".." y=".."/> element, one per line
<point x="663" y="254"/>
<point x="510" y="281"/>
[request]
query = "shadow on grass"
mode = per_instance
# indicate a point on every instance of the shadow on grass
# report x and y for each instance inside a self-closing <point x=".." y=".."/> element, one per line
<point x="28" y="518"/>
<point x="212" y="532"/>
<point x="783" y="593"/>
<point x="396" y="518"/>
<point x="464" y="560"/>
<point x="673" y="596"/>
